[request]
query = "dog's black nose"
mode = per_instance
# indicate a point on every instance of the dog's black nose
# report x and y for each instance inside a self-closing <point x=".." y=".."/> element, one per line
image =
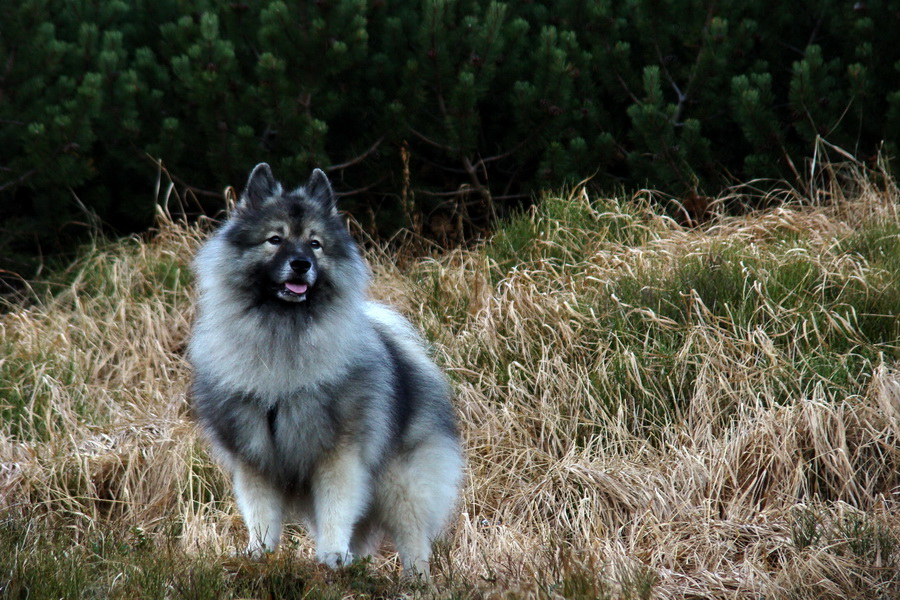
<point x="300" y="265"/>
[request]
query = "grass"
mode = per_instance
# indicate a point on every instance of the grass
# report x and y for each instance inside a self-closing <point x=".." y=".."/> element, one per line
<point x="43" y="562"/>
<point x="649" y="411"/>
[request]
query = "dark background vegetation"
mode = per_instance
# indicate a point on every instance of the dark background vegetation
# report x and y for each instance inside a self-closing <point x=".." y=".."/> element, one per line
<point x="439" y="115"/>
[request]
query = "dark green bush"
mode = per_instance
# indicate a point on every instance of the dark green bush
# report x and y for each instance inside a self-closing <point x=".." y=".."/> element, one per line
<point x="440" y="115"/>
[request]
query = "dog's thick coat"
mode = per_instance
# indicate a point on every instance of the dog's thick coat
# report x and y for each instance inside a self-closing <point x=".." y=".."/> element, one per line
<point x="317" y="401"/>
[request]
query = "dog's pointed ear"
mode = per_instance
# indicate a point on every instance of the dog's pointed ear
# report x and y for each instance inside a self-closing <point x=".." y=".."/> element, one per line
<point x="261" y="186"/>
<point x="318" y="188"/>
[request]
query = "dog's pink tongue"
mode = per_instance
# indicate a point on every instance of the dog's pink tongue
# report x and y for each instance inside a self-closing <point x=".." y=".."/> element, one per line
<point x="297" y="288"/>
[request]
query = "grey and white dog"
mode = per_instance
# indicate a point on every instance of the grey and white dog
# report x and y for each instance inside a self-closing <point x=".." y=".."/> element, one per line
<point x="319" y="403"/>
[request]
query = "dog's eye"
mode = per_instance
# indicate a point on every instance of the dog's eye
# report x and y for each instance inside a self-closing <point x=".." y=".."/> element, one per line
<point x="315" y="244"/>
<point x="274" y="240"/>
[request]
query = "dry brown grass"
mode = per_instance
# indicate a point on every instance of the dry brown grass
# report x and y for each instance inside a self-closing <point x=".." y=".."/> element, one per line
<point x="619" y="442"/>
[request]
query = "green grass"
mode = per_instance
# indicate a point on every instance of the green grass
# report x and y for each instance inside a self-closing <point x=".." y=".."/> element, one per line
<point x="552" y="231"/>
<point x="37" y="561"/>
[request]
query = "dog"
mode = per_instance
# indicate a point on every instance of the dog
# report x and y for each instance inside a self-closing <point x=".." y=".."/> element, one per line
<point x="318" y="402"/>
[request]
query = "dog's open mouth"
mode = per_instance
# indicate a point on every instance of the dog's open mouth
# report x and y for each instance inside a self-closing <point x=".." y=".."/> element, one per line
<point x="292" y="291"/>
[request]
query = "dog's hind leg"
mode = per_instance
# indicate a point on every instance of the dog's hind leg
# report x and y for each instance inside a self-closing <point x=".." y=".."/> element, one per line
<point x="416" y="494"/>
<point x="411" y="531"/>
<point x="262" y="506"/>
<point x="414" y="548"/>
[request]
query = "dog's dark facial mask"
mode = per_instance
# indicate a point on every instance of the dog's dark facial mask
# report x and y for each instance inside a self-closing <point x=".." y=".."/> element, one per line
<point x="292" y="248"/>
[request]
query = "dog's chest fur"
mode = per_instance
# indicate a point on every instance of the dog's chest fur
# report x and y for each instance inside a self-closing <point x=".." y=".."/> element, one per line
<point x="283" y="438"/>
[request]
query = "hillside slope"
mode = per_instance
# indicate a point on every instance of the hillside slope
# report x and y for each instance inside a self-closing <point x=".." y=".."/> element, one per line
<point x="648" y="411"/>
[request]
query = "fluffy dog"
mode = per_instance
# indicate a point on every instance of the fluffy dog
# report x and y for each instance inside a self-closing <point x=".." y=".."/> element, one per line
<point x="317" y="401"/>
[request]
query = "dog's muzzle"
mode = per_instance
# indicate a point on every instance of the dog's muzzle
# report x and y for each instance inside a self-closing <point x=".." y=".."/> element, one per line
<point x="299" y="277"/>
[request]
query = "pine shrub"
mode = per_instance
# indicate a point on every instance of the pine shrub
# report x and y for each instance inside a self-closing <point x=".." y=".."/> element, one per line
<point x="440" y="115"/>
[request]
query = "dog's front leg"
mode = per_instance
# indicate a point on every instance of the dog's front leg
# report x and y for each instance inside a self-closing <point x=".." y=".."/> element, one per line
<point x="341" y="490"/>
<point x="262" y="507"/>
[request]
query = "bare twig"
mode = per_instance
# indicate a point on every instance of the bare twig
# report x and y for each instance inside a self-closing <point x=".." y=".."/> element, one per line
<point x="18" y="181"/>
<point x="357" y="159"/>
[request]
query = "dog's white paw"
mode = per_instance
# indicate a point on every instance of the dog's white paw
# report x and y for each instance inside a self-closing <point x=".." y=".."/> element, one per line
<point x="333" y="560"/>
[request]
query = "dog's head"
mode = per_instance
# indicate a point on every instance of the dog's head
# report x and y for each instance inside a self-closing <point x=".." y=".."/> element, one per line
<point x="294" y="245"/>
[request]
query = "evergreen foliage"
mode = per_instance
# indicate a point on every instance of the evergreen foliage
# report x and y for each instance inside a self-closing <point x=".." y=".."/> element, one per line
<point x="439" y="114"/>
